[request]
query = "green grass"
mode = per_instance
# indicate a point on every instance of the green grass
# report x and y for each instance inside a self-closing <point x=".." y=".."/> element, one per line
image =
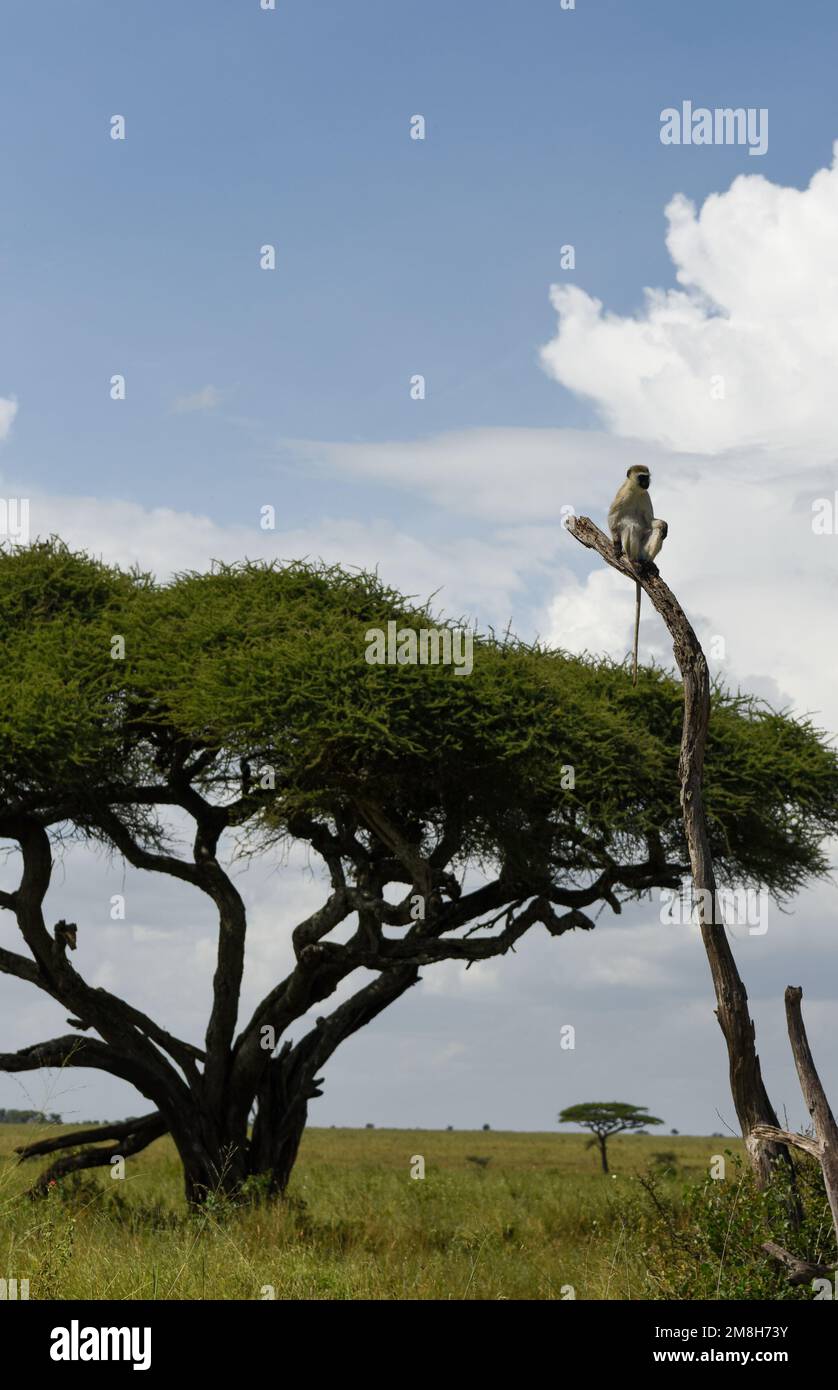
<point x="539" y="1217"/>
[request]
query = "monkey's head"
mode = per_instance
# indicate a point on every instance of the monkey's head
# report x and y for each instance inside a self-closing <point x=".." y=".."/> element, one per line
<point x="639" y="474"/>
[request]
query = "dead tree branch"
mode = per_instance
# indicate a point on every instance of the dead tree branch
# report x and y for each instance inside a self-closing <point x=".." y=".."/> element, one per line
<point x="823" y="1147"/>
<point x="750" y="1097"/>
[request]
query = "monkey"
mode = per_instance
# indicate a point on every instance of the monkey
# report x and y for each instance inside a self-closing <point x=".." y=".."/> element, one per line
<point x="637" y="534"/>
<point x="65" y="935"/>
<point x="630" y="515"/>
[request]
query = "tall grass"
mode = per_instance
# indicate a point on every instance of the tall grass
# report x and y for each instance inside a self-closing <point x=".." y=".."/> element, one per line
<point x="537" y="1221"/>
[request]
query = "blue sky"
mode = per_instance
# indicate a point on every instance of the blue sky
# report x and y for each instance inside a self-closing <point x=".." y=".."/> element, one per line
<point x="397" y="257"/>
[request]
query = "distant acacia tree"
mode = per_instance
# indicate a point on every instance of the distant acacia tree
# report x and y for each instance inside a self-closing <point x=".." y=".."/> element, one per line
<point x="448" y="814"/>
<point x="605" y="1119"/>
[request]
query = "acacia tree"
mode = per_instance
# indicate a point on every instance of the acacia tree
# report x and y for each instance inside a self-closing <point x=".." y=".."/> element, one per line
<point x="605" y="1118"/>
<point x="449" y="813"/>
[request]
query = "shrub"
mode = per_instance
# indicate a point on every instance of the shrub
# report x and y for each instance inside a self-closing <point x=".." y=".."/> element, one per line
<point x="702" y="1241"/>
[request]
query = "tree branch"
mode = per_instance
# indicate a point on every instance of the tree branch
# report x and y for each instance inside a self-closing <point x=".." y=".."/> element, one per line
<point x="801" y="1271"/>
<point x="73" y="1051"/>
<point x="140" y="858"/>
<point x="775" y="1135"/>
<point x="135" y="1136"/>
<point x="120" y="1130"/>
<point x="21" y="967"/>
<point x="356" y="1012"/>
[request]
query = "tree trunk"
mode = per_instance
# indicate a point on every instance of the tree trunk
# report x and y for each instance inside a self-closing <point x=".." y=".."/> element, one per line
<point x="215" y="1162"/>
<point x="280" y="1121"/>
<point x="212" y="1163"/>
<point x="220" y="1159"/>
<point x="603" y="1152"/>
<point x="823" y="1145"/>
<point x="750" y="1097"/>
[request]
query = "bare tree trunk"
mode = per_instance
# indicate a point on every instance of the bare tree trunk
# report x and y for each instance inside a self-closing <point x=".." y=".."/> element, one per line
<point x="212" y="1163"/>
<point x="603" y="1152"/>
<point x="815" y="1098"/>
<point x="750" y="1097"/>
<point x="824" y="1146"/>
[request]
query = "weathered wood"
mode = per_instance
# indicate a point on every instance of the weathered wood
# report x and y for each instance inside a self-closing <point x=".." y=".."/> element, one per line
<point x="824" y="1146"/>
<point x="814" y="1095"/>
<point x="786" y="1136"/>
<point x="750" y="1097"/>
<point x="800" y="1271"/>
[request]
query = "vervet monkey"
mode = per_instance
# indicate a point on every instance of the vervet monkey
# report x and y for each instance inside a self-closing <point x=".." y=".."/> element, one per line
<point x="637" y="534"/>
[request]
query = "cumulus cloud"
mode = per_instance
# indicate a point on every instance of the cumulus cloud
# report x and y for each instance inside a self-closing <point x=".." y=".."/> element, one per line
<point x="746" y="353"/>
<point x="482" y="576"/>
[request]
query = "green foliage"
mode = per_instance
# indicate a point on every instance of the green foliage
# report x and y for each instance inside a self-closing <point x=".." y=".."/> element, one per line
<point x="605" y="1117"/>
<point x="59" y="716"/>
<point x="702" y="1241"/>
<point x="266" y="663"/>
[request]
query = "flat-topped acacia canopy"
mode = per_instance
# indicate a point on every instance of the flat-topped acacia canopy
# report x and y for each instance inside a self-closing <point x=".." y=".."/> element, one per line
<point x="243" y="698"/>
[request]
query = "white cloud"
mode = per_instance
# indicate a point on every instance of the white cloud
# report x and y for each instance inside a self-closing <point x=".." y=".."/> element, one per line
<point x="8" y="411"/>
<point x="758" y="310"/>
<point x="508" y="476"/>
<point x="206" y="399"/>
<point x="481" y="576"/>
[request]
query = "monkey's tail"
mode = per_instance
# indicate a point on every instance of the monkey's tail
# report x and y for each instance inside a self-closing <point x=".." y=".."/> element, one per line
<point x="636" y="631"/>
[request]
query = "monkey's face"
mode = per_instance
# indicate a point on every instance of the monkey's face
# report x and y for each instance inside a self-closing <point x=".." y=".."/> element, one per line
<point x="640" y="475"/>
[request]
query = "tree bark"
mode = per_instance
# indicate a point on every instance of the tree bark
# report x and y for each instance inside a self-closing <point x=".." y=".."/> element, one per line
<point x="824" y="1146"/>
<point x="750" y="1097"/>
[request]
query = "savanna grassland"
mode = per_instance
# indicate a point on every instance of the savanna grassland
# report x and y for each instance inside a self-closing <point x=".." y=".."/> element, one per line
<point x="537" y="1217"/>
